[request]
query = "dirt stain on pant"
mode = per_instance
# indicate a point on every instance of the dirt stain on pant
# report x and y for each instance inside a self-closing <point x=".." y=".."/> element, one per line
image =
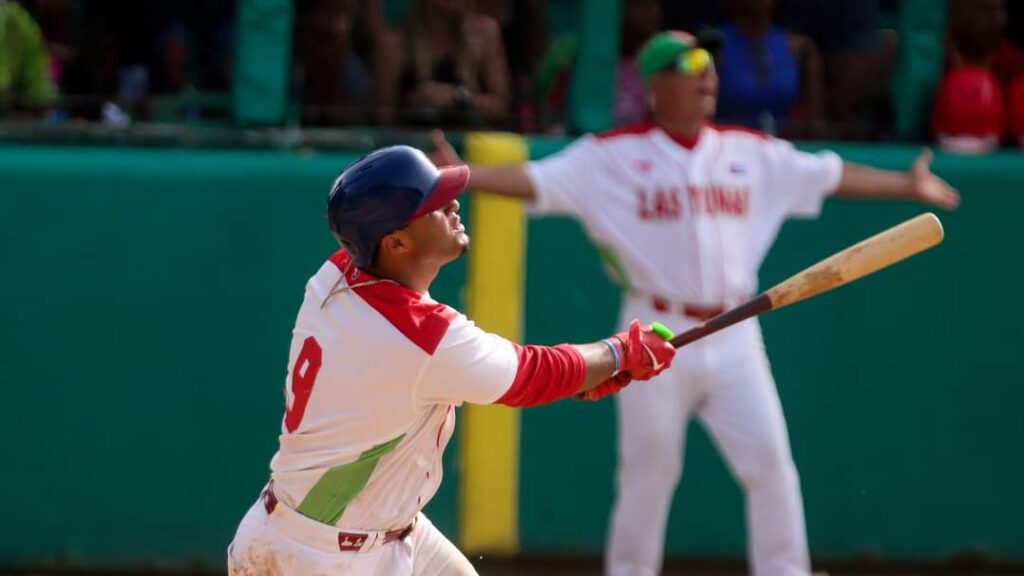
<point x="256" y="559"/>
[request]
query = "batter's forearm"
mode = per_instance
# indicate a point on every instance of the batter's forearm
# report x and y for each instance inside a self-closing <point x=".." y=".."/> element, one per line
<point x="550" y="373"/>
<point x="599" y="364"/>
<point x="507" y="180"/>
<point x="859" y="181"/>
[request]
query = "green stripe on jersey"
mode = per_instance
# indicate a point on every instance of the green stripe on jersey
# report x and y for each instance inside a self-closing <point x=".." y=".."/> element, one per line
<point x="327" y="500"/>
<point x="613" y="267"/>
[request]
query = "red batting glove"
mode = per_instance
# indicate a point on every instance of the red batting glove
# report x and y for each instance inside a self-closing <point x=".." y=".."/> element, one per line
<point x="644" y="353"/>
<point x="610" y="386"/>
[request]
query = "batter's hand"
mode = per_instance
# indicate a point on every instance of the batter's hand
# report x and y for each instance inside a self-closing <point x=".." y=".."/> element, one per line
<point x="645" y="354"/>
<point x="929" y="188"/>
<point x="443" y="154"/>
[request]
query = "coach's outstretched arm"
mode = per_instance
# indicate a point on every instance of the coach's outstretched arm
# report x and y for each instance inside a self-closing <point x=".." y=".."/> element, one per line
<point x="507" y="180"/>
<point x="918" y="183"/>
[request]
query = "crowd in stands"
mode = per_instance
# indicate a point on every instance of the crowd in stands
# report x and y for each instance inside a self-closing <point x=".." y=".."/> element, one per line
<point x="429" y="62"/>
<point x="113" y="60"/>
<point x="980" y="101"/>
<point x="798" y="68"/>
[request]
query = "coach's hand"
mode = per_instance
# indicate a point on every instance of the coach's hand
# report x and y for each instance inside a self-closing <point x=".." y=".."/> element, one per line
<point x="443" y="154"/>
<point x="929" y="188"/>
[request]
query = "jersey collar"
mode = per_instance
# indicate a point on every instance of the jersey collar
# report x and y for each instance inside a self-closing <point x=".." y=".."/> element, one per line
<point x="688" y="142"/>
<point x="418" y="317"/>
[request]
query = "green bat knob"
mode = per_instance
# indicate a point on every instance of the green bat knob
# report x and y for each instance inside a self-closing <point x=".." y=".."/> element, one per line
<point x="662" y="330"/>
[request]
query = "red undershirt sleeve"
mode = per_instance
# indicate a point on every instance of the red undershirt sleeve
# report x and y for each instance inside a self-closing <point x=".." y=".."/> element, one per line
<point x="545" y="374"/>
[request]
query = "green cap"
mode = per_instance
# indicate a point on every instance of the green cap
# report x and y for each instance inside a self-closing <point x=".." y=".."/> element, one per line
<point x="663" y="47"/>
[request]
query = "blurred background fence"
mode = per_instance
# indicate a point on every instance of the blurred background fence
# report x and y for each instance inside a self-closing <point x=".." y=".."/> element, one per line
<point x="847" y="69"/>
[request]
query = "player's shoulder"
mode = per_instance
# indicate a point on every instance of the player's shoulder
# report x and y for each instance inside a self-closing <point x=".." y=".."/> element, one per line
<point x="744" y="141"/>
<point x="624" y="134"/>
<point x="421" y="320"/>
<point x="739" y="133"/>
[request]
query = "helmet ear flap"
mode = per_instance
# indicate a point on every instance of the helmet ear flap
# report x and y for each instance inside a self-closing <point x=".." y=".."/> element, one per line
<point x="352" y="251"/>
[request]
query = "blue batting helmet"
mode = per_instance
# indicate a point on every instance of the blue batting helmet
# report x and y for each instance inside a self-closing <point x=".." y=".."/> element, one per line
<point x="382" y="192"/>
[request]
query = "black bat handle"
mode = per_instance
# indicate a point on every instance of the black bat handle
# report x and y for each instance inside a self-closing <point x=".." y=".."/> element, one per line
<point x="748" y="309"/>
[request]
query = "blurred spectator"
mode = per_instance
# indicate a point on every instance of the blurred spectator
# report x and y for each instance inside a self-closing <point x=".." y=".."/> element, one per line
<point x="91" y="71"/>
<point x="982" y="64"/>
<point x="25" y="83"/>
<point x="173" y="54"/>
<point x="114" y="59"/>
<point x="975" y="38"/>
<point x="447" y="65"/>
<point x="551" y="81"/>
<point x="975" y="29"/>
<point x="55" y="22"/>
<point x="1015" y="23"/>
<point x="858" y="56"/>
<point x="148" y="60"/>
<point x="1016" y="109"/>
<point x="968" y="114"/>
<point x="332" y="79"/>
<point x="194" y="44"/>
<point x="770" y="79"/>
<point x="522" y="25"/>
<point x="641" y="19"/>
<point x="691" y="15"/>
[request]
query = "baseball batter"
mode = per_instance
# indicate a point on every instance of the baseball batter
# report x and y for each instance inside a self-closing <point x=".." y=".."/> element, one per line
<point x="375" y="370"/>
<point x="685" y="212"/>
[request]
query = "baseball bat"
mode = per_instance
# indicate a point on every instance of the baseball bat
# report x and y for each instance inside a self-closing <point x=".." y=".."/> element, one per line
<point x="866" y="257"/>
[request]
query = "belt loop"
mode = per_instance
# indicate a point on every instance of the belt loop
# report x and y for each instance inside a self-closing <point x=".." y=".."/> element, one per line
<point x="376" y="540"/>
<point x="660" y="304"/>
<point x="269" y="498"/>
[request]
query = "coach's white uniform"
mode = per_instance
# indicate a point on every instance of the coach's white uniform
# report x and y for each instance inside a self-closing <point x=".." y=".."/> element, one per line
<point x="374" y="372"/>
<point x="684" y="227"/>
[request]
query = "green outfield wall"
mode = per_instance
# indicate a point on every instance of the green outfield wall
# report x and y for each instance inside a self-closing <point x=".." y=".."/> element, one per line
<point x="147" y="300"/>
<point x="147" y="303"/>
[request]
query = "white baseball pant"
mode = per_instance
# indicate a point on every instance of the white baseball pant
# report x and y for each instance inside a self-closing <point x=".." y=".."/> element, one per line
<point x="287" y="543"/>
<point x="725" y="381"/>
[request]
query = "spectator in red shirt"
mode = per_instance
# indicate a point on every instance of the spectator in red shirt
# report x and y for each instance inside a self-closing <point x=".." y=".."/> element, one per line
<point x="975" y="38"/>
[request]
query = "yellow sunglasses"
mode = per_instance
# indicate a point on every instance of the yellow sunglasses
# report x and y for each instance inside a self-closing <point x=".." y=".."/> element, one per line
<point x="694" y="62"/>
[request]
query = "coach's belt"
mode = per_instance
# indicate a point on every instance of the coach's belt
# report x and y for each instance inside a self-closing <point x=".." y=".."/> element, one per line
<point x="347" y="541"/>
<point x="697" y="312"/>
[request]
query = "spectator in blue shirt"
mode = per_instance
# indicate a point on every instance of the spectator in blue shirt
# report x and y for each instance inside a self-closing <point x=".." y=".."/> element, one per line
<point x="770" y="78"/>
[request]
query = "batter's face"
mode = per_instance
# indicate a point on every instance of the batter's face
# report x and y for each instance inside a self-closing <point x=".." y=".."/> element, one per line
<point x="681" y="99"/>
<point x="438" y="236"/>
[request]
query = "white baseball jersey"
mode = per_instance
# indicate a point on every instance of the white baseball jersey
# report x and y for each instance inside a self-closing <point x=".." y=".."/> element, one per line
<point x="690" y="221"/>
<point x="374" y="371"/>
